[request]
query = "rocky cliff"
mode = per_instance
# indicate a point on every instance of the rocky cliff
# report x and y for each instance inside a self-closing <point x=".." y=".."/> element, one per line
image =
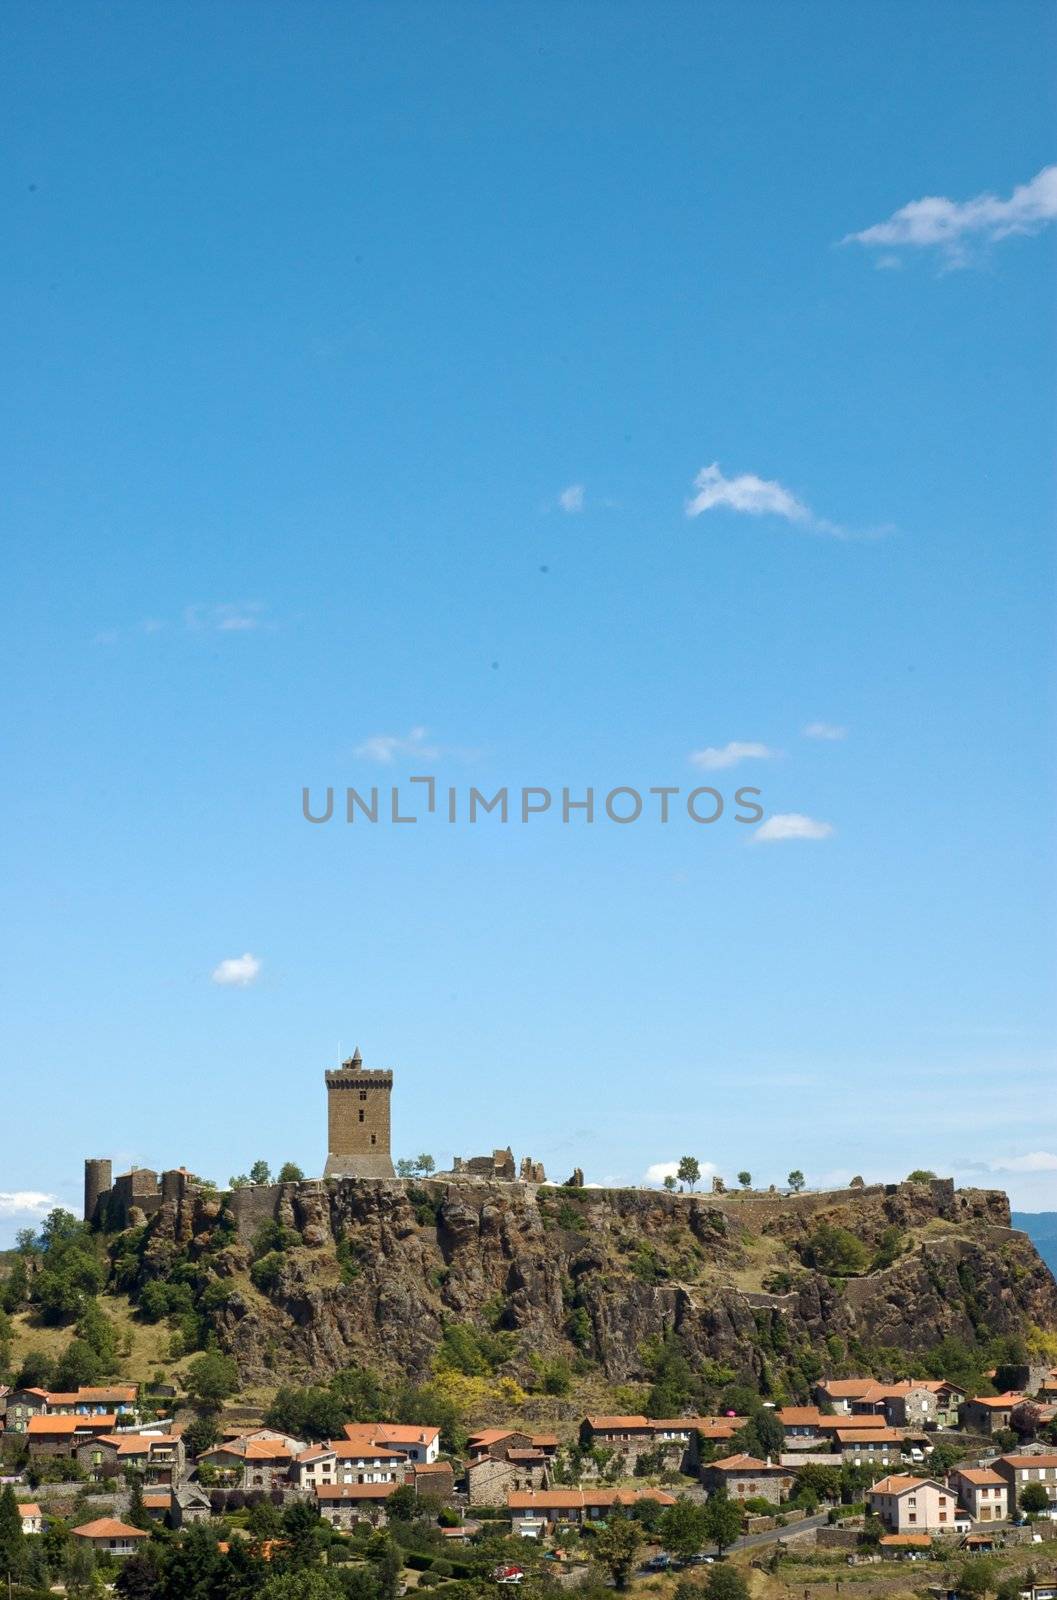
<point x="373" y="1272"/>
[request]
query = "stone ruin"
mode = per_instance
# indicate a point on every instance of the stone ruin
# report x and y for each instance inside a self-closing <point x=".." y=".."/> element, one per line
<point x="497" y="1168"/>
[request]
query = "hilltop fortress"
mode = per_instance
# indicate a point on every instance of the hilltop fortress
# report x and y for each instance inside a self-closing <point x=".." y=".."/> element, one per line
<point x="359" y="1145"/>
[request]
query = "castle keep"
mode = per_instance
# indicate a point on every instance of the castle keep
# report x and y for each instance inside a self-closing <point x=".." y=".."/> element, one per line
<point x="358" y="1121"/>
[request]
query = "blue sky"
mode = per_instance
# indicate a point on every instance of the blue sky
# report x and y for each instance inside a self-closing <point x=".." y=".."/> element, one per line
<point x="503" y="393"/>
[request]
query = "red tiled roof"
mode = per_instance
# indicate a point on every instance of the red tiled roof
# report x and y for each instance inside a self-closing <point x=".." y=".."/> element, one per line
<point x="354" y="1491"/>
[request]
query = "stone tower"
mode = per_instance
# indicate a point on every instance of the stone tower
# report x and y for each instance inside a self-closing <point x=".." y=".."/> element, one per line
<point x="98" y="1181"/>
<point x="358" y="1121"/>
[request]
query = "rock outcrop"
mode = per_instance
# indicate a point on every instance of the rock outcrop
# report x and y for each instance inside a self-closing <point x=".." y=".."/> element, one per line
<point x="384" y="1266"/>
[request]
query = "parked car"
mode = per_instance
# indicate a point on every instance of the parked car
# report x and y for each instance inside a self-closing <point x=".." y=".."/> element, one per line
<point x="658" y="1563"/>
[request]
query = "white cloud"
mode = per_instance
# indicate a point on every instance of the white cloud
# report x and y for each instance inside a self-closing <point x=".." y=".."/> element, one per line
<point x="238" y="971"/>
<point x="225" y="617"/>
<point x="791" y="825"/>
<point x="714" y="757"/>
<point x="751" y="496"/>
<point x="1036" y="1161"/>
<point x="951" y="226"/>
<point x="385" y="747"/>
<point x="747" y="493"/>
<point x="25" y="1203"/>
<point x="572" y="497"/>
<point x="660" y="1170"/>
<point x="825" y="730"/>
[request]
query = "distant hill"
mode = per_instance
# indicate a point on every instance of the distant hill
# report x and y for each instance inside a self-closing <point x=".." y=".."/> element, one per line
<point x="1041" y="1228"/>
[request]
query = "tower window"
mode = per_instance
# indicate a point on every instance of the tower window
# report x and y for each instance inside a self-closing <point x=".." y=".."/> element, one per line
<point x="374" y="1138"/>
<point x="361" y="1116"/>
<point x="363" y="1094"/>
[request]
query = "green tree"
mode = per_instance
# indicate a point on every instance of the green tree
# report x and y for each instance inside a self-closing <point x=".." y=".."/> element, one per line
<point x="726" y="1583"/>
<point x="12" y="1539"/>
<point x="212" y="1378"/>
<point x="683" y="1528"/>
<point x="402" y="1504"/>
<point x="689" y="1171"/>
<point x="290" y="1172"/>
<point x="260" y="1172"/>
<point x="405" y="1167"/>
<point x="976" y="1577"/>
<point x="669" y="1182"/>
<point x="616" y="1546"/>
<point x="722" y="1520"/>
<point x="77" y="1366"/>
<point x="136" y="1514"/>
<point x="425" y="1165"/>
<point x="921" y="1175"/>
<point x="745" y="1179"/>
<point x="835" y="1250"/>
<point x="796" y="1180"/>
<point x="1033" y="1498"/>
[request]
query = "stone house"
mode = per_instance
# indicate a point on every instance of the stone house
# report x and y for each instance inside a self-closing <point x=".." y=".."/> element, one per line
<point x="343" y="1505"/>
<point x="1020" y="1469"/>
<point x="842" y="1393"/>
<point x="677" y="1437"/>
<point x="913" y="1505"/>
<point x="435" y="1479"/>
<point x="158" y="1457"/>
<point x="983" y="1492"/>
<point x="544" y="1506"/>
<point x="628" y="1436"/>
<point x="119" y="1399"/>
<point x="61" y="1436"/>
<point x="109" y="1537"/>
<point x="988" y="1414"/>
<point x="745" y="1477"/>
<point x="251" y="1463"/>
<point x="189" y="1504"/>
<point x="21" y="1405"/>
<point x="870" y="1446"/>
<point x="157" y="1503"/>
<point x="799" y="1422"/>
<point x="489" y="1480"/>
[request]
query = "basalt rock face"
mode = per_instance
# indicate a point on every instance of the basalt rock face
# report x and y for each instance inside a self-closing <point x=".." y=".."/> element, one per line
<point x="385" y="1265"/>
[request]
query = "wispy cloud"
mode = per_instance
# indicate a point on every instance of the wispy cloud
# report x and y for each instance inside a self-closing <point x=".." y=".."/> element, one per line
<point x="572" y="498"/>
<point x="749" y="495"/>
<point x="387" y="747"/>
<point x="791" y="825"/>
<point x="953" y="226"/>
<point x="225" y="617"/>
<point x="25" y="1203"/>
<point x="715" y="757"/>
<point x="212" y="616"/>
<point x="1035" y="1161"/>
<point x="237" y="971"/>
<point x="824" y="730"/>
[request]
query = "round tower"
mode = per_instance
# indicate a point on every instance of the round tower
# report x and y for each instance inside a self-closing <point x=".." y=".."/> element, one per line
<point x="98" y="1181"/>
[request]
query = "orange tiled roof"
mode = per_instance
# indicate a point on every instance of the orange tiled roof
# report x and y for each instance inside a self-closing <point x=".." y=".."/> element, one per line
<point x="45" y="1425"/>
<point x="28" y="1508"/>
<point x="852" y="1435"/>
<point x="980" y="1475"/>
<point x="911" y="1541"/>
<point x="108" y="1528"/>
<point x="1012" y="1397"/>
<point x="798" y="1416"/>
<point x="898" y="1483"/>
<point x="1030" y="1461"/>
<point x="744" y="1463"/>
<point x="617" y="1424"/>
<point x="846" y="1388"/>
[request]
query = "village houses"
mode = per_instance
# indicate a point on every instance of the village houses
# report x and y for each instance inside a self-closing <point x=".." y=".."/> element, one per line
<point x="913" y="1505"/>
